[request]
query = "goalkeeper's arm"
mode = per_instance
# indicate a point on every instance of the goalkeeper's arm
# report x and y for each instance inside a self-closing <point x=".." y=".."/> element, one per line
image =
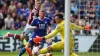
<point x="76" y="27"/>
<point x="52" y="34"/>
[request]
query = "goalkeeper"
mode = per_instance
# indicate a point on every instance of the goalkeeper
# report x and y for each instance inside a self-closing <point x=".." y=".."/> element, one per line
<point x="59" y="29"/>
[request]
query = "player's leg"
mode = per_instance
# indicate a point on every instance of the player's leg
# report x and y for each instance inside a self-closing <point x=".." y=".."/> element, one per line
<point x="27" y="48"/>
<point x="30" y="43"/>
<point x="8" y="34"/>
<point x="27" y="33"/>
<point x="49" y="42"/>
<point x="23" y="50"/>
<point x="71" y="48"/>
<point x="17" y="36"/>
<point x="55" y="46"/>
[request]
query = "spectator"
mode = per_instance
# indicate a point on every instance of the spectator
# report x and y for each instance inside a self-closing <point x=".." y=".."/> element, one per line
<point x="48" y="13"/>
<point x="56" y="12"/>
<point x="14" y="15"/>
<point x="57" y="4"/>
<point x="53" y="8"/>
<point x="1" y="15"/>
<point x="23" y="2"/>
<point x="46" y="4"/>
<point x="22" y="18"/>
<point x="12" y="7"/>
<point x="80" y="4"/>
<point x="83" y="11"/>
<point x="31" y="4"/>
<point x="74" y="8"/>
<point x="9" y="22"/>
<point x="25" y="12"/>
<point x="53" y="25"/>
<point x="62" y="6"/>
<point x="98" y="10"/>
<point x="23" y="25"/>
<point x="1" y="4"/>
<point x="91" y="13"/>
<point x="7" y="2"/>
<point x="9" y="11"/>
<point x="17" y="24"/>
<point x="19" y="7"/>
<point x="4" y="10"/>
<point x="1" y="20"/>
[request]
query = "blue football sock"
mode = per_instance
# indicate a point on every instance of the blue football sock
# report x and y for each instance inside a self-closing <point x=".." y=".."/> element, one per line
<point x="23" y="50"/>
<point x="49" y="44"/>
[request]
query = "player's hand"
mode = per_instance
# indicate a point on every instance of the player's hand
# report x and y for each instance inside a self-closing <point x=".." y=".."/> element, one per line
<point x="48" y="41"/>
<point x="33" y="27"/>
<point x="38" y="39"/>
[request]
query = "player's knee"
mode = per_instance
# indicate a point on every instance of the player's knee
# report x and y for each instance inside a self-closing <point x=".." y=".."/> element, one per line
<point x="22" y="37"/>
<point x="28" y="45"/>
<point x="49" y="48"/>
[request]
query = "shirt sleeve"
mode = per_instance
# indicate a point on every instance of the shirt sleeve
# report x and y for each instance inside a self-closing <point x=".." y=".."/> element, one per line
<point x="53" y="33"/>
<point x="30" y="18"/>
<point x="76" y="27"/>
<point x="33" y="23"/>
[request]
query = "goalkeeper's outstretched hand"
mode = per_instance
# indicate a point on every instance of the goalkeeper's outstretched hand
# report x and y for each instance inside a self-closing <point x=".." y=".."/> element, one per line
<point x="38" y="39"/>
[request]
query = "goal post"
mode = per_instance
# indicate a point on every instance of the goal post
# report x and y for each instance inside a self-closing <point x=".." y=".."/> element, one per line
<point x="67" y="28"/>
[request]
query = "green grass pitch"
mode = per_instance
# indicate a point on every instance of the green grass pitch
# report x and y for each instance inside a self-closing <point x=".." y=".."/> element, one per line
<point x="16" y="54"/>
<point x="54" y="54"/>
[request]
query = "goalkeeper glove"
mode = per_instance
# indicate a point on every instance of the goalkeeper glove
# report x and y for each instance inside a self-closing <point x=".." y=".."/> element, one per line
<point x="38" y="39"/>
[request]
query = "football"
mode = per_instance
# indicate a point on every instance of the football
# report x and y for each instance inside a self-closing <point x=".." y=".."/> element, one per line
<point x="35" y="50"/>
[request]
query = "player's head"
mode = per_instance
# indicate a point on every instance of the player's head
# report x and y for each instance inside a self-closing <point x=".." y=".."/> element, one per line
<point x="58" y="18"/>
<point x="41" y="14"/>
<point x="37" y="3"/>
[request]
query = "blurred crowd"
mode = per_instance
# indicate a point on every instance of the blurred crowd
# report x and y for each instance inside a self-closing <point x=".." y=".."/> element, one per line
<point x="86" y="13"/>
<point x="14" y="13"/>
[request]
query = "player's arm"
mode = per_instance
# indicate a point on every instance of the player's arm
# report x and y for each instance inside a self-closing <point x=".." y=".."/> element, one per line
<point x="30" y="18"/>
<point x="33" y="25"/>
<point x="76" y="27"/>
<point x="53" y="33"/>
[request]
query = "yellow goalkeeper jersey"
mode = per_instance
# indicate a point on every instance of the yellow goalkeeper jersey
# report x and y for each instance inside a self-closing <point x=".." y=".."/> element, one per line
<point x="60" y="29"/>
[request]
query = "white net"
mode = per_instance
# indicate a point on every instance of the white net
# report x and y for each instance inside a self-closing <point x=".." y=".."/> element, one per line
<point x="87" y="14"/>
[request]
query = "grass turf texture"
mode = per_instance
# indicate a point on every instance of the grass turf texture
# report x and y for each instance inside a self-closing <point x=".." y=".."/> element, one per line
<point x="54" y="54"/>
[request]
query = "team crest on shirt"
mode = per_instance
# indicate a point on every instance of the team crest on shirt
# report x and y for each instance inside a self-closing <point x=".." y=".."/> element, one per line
<point x="58" y="27"/>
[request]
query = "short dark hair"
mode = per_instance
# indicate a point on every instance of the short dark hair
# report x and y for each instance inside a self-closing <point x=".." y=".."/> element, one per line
<point x="59" y="15"/>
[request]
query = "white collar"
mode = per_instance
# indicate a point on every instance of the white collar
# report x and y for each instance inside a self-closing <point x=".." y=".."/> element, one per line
<point x="40" y="19"/>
